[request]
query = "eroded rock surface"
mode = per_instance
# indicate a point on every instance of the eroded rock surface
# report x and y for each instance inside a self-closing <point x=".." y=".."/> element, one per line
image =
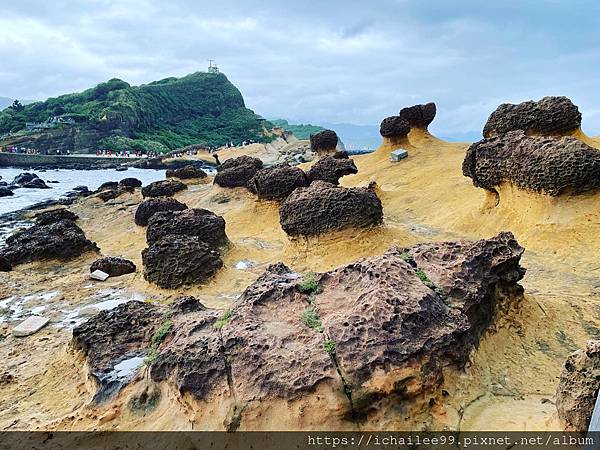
<point x="419" y="116"/>
<point x="177" y="260"/>
<point x="61" y="240"/>
<point x="324" y="207"/>
<point x="163" y="188"/>
<point x="237" y="172"/>
<point x="186" y="173"/>
<point x="578" y="387"/>
<point x="543" y="164"/>
<point x="202" y="223"/>
<point x="131" y="182"/>
<point x="276" y="183"/>
<point x="148" y="208"/>
<point x="324" y="142"/>
<point x="331" y="169"/>
<point x="113" y="266"/>
<point x="394" y="127"/>
<point x="549" y="116"/>
<point x="379" y="334"/>
<point x="5" y="265"/>
<point x="55" y="215"/>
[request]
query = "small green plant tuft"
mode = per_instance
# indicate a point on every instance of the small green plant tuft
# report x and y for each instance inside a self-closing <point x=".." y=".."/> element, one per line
<point x="407" y="257"/>
<point x="311" y="319"/>
<point x="224" y="319"/>
<point x="157" y="338"/>
<point x="309" y="284"/>
<point x="329" y="346"/>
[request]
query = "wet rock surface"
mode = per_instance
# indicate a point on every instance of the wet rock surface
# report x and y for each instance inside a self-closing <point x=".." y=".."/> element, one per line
<point x="324" y="207"/>
<point x="36" y="183"/>
<point x="108" y="185"/>
<point x="549" y="116"/>
<point x="163" y="188"/>
<point x="55" y="215"/>
<point x="419" y="116"/>
<point x="324" y="142"/>
<point x="543" y="164"/>
<point x="113" y="266"/>
<point x="201" y="223"/>
<point x="5" y="192"/>
<point x="276" y="183"/>
<point x="578" y="387"/>
<point x="331" y="169"/>
<point x="58" y="240"/>
<point x="237" y="172"/>
<point x="380" y="333"/>
<point x="176" y="260"/>
<point x="186" y="173"/>
<point x="5" y="265"/>
<point x="394" y="127"/>
<point x="149" y="207"/>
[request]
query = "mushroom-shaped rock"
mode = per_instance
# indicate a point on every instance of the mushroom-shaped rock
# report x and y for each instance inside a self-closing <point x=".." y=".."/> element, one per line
<point x="276" y="183"/>
<point x="131" y="182"/>
<point x="550" y="116"/>
<point x="5" y="192"/>
<point x="59" y="240"/>
<point x="113" y="266"/>
<point x="237" y="172"/>
<point x="186" y="173"/>
<point x="377" y="330"/>
<point x="163" y="188"/>
<point x="110" y="194"/>
<point x="578" y="387"/>
<point x="149" y="207"/>
<point x="419" y="116"/>
<point x="324" y="142"/>
<point x="323" y="207"/>
<point x="550" y="165"/>
<point x="108" y="185"/>
<point x="55" y="215"/>
<point x="178" y="260"/>
<point x="331" y="169"/>
<point x="394" y="127"/>
<point x="201" y="223"/>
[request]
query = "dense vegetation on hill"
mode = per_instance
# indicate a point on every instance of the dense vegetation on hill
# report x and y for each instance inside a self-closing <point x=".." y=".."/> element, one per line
<point x="301" y="131"/>
<point x="201" y="108"/>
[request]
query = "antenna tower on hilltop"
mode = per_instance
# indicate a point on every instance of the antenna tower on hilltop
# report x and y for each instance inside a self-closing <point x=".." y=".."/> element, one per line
<point x="212" y="68"/>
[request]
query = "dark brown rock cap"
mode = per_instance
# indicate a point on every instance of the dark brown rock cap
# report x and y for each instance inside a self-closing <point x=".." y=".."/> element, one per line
<point x="277" y="182"/>
<point x="114" y="266"/>
<point x="324" y="141"/>
<point x="237" y="172"/>
<point x="550" y="116"/>
<point x="419" y="116"/>
<point x="163" y="188"/>
<point x="394" y="127"/>
<point x="553" y="166"/>
<point x="151" y="206"/>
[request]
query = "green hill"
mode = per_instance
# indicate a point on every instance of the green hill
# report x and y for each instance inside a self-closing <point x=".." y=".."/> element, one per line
<point x="201" y="108"/>
<point x="301" y="131"/>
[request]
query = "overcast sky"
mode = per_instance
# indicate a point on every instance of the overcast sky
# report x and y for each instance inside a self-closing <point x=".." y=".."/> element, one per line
<point x="320" y="61"/>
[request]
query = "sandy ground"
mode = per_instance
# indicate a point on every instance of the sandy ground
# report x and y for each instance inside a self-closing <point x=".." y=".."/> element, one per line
<point x="510" y="382"/>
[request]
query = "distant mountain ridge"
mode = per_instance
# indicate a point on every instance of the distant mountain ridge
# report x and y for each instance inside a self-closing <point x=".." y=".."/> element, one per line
<point x="200" y="108"/>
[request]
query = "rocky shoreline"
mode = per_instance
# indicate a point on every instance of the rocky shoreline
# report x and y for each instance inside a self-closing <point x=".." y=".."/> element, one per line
<point x="344" y="293"/>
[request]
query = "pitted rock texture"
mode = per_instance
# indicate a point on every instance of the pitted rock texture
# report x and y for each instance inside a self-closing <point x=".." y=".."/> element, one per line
<point x="58" y="240"/>
<point x="186" y="173"/>
<point x="276" y="183"/>
<point x="419" y="116"/>
<point x="113" y="266"/>
<point x="163" y="188"/>
<point x="237" y="172"/>
<point x="331" y="169"/>
<point x="550" y="165"/>
<point x="149" y="207"/>
<point x="394" y="127"/>
<point x="55" y="215"/>
<point x="324" y="142"/>
<point x="202" y="223"/>
<point x="177" y="260"/>
<point x="578" y="387"/>
<point x="549" y="116"/>
<point x="324" y="207"/>
<point x="131" y="182"/>
<point x="388" y="333"/>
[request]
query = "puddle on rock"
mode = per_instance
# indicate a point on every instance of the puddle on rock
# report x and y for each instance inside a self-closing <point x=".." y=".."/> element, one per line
<point x="121" y="374"/>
